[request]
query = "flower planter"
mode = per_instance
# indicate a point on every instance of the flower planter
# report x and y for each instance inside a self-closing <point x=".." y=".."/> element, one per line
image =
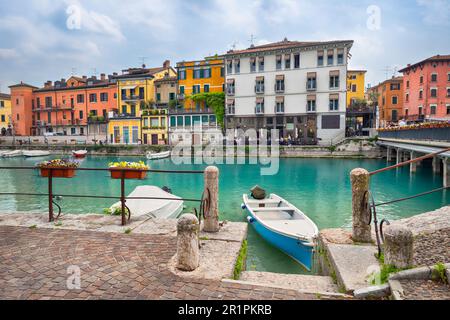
<point x="129" y="173"/>
<point x="58" y="172"/>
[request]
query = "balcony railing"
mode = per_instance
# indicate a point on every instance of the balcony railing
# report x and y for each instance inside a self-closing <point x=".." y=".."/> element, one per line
<point x="259" y="110"/>
<point x="132" y="98"/>
<point x="279" y="110"/>
<point x="190" y="111"/>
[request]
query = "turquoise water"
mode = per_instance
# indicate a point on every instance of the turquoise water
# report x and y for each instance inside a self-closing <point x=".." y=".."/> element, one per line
<point x="319" y="187"/>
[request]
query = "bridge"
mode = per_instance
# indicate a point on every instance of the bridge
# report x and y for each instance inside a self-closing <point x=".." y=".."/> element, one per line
<point x="400" y="150"/>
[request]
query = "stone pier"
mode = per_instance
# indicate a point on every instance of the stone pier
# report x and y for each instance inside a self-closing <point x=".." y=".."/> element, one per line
<point x="446" y="172"/>
<point x="413" y="165"/>
<point x="389" y="154"/>
<point x="436" y="165"/>
<point x="399" y="156"/>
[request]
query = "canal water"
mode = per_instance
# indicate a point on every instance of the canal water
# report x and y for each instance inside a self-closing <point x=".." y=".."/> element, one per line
<point x="319" y="187"/>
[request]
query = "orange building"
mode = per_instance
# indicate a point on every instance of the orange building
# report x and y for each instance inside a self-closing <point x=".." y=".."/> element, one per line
<point x="388" y="97"/>
<point x="72" y="107"/>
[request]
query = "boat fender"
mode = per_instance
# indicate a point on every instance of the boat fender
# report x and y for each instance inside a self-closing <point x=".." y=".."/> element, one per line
<point x="243" y="206"/>
<point x="250" y="219"/>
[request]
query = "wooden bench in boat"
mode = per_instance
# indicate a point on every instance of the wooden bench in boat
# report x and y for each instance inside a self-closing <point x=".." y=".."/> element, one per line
<point x="262" y="209"/>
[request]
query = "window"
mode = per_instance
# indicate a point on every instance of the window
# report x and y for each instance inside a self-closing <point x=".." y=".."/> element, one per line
<point x="433" y="109"/>
<point x="259" y="108"/>
<point x="259" y="87"/>
<point x="2" y="104"/>
<point x="206" y="88"/>
<point x="158" y="97"/>
<point x="181" y="89"/>
<point x="171" y="96"/>
<point x="420" y="94"/>
<point x="448" y="92"/>
<point x="134" y="134"/>
<point x="334" y="102"/>
<point x="394" y="115"/>
<point x="334" y="79"/>
<point x="331" y="122"/>
<point x="448" y="108"/>
<point x="104" y="96"/>
<point x="154" y="122"/>
<point x="407" y="84"/>
<point x="296" y="60"/>
<point x="48" y="102"/>
<point x="330" y="57"/>
<point x="311" y="81"/>
<point x="38" y="102"/>
<point x="197" y="74"/>
<point x="196" y="89"/>
<point x="421" y="79"/>
<point x="229" y="66"/>
<point x="237" y="66"/>
<point x="80" y="98"/>
<point x="394" y="100"/>
<point x="3" y="118"/>
<point x="230" y="106"/>
<point x="340" y="56"/>
<point x="81" y="114"/>
<point x="207" y="73"/>
<point x="279" y="83"/>
<point x="395" y="86"/>
<point x="354" y="87"/>
<point x="311" y="104"/>
<point x="448" y="77"/>
<point x="420" y="111"/>
<point x="222" y="72"/>
<point x="141" y="93"/>
<point x="320" y="58"/>
<point x="279" y="105"/>
<point x="261" y="64"/>
<point x="73" y="131"/>
<point x="182" y="75"/>
<point x="433" y="92"/>
<point x="434" y="77"/>
<point x="287" y="61"/>
<point x="278" y="62"/>
<point x="230" y="87"/>
<point x="252" y="64"/>
<point x="93" y="97"/>
<point x="406" y="112"/>
<point x="407" y="97"/>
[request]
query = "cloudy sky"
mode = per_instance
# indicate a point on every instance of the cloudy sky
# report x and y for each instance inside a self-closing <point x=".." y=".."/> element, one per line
<point x="47" y="39"/>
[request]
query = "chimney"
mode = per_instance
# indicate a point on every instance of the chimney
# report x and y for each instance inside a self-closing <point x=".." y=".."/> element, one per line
<point x="166" y="64"/>
<point x="115" y="74"/>
<point x="84" y="77"/>
<point x="94" y="77"/>
<point x="63" y="80"/>
<point x="103" y="77"/>
<point x="48" y="84"/>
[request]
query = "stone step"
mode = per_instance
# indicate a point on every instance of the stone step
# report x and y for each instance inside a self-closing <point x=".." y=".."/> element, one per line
<point x="352" y="264"/>
<point x="305" y="283"/>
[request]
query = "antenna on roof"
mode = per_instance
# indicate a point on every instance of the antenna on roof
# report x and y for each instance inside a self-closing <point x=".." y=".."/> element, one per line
<point x="386" y="70"/>
<point x="94" y="71"/>
<point x="74" y="70"/>
<point x="142" y="59"/>
<point x="252" y="40"/>
<point x="234" y="45"/>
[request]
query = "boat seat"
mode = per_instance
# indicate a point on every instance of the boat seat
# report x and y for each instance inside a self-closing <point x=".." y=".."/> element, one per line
<point x="265" y="201"/>
<point x="298" y="227"/>
<point x="262" y="209"/>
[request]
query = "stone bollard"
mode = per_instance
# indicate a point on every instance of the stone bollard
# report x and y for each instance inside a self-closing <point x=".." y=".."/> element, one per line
<point x="211" y="223"/>
<point x="188" y="251"/>
<point x="398" y="246"/>
<point x="360" y="185"/>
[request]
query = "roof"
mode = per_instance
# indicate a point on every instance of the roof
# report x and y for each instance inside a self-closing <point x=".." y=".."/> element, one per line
<point x="283" y="45"/>
<point x="22" y="84"/>
<point x="96" y="83"/>
<point x="167" y="79"/>
<point x="5" y="96"/>
<point x="141" y="72"/>
<point x="393" y="79"/>
<point x="435" y="58"/>
<point x="356" y="71"/>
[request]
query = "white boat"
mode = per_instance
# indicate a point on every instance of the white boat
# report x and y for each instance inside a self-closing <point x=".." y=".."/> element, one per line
<point x="159" y="155"/>
<point x="12" y="154"/>
<point x="284" y="226"/>
<point x="168" y="208"/>
<point x="79" y="153"/>
<point x="35" y="153"/>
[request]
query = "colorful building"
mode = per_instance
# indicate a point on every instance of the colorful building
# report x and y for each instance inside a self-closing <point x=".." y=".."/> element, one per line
<point x="355" y="86"/>
<point x="5" y="113"/>
<point x="76" y="107"/>
<point x="388" y="97"/>
<point x="427" y="89"/>
<point x="195" y="77"/>
<point x="137" y="107"/>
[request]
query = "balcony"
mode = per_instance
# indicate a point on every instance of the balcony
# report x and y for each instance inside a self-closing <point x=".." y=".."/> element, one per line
<point x="259" y="89"/>
<point x="279" y="110"/>
<point x="96" y="119"/>
<point x="132" y="98"/>
<point x="259" y="111"/>
<point x="231" y="110"/>
<point x="123" y="116"/>
<point x="311" y="88"/>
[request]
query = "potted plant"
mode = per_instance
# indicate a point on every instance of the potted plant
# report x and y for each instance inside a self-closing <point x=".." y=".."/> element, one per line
<point x="131" y="170"/>
<point x="60" y="168"/>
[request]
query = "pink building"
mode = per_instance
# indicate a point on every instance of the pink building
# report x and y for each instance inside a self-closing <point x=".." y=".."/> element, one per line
<point x="427" y="89"/>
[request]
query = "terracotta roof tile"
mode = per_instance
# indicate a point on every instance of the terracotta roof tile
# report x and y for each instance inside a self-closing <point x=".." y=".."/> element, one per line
<point x="435" y="58"/>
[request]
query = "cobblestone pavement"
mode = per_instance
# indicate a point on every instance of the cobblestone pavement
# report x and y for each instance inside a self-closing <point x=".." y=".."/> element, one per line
<point x="34" y="265"/>
<point x="432" y="248"/>
<point x="425" y="290"/>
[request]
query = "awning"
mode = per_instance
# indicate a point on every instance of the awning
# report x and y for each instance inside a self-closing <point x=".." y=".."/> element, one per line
<point x="261" y="78"/>
<point x="334" y="73"/>
<point x="330" y="52"/>
<point x="334" y="96"/>
<point x="252" y="59"/>
<point x="231" y="81"/>
<point x="320" y="53"/>
<point x="279" y="77"/>
<point x="260" y="100"/>
<point x="128" y="87"/>
<point x="230" y="102"/>
<point x="340" y="51"/>
<point x="310" y="97"/>
<point x="311" y="74"/>
<point x="279" y="99"/>
<point x="287" y="56"/>
<point x="261" y="58"/>
<point x="279" y="56"/>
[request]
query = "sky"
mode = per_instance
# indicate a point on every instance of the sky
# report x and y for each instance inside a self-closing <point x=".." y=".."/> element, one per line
<point x="44" y="40"/>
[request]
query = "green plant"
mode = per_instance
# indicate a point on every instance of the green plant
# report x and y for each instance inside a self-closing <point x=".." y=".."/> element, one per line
<point x="58" y="224"/>
<point x="384" y="273"/>
<point x="117" y="211"/>
<point x="215" y="100"/>
<point x="33" y="226"/>
<point x="204" y="238"/>
<point x="129" y="165"/>
<point x="439" y="273"/>
<point x="332" y="148"/>
<point x="240" y="261"/>
<point x="58" y="163"/>
<point x="127" y="231"/>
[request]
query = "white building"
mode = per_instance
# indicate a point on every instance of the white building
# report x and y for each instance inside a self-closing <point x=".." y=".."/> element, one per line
<point x="296" y="87"/>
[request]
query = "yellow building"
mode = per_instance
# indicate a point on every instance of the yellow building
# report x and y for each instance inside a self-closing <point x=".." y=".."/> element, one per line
<point x="138" y="120"/>
<point x="5" y="112"/>
<point x="196" y="77"/>
<point x="355" y="86"/>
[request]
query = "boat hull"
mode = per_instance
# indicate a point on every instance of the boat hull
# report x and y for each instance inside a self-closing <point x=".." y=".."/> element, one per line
<point x="298" y="250"/>
<point x="157" y="156"/>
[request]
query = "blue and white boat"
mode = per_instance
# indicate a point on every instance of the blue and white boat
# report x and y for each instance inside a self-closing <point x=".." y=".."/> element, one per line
<point x="284" y="226"/>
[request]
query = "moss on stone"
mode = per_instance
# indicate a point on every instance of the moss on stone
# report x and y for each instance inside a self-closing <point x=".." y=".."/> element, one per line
<point x="240" y="261"/>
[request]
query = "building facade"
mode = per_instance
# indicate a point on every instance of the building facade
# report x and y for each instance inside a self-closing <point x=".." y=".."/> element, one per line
<point x="136" y="103"/>
<point x="388" y="97"/>
<point x="72" y="107"/>
<point x="427" y="89"/>
<point x="5" y="114"/>
<point x="356" y="81"/>
<point x="296" y="87"/>
<point x="189" y="116"/>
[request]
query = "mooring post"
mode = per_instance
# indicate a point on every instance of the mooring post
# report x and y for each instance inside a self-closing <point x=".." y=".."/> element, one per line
<point x="446" y="172"/>
<point x="122" y="197"/>
<point x="50" y="195"/>
<point x="399" y="156"/>
<point x="412" y="165"/>
<point x="398" y="246"/>
<point x="188" y="249"/>
<point x="211" y="222"/>
<point x="360" y="187"/>
<point x="389" y="154"/>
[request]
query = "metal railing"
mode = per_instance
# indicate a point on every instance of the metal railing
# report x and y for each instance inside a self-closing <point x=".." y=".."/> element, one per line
<point x="52" y="195"/>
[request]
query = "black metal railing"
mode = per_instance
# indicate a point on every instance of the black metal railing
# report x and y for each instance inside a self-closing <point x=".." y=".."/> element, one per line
<point x="52" y="195"/>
